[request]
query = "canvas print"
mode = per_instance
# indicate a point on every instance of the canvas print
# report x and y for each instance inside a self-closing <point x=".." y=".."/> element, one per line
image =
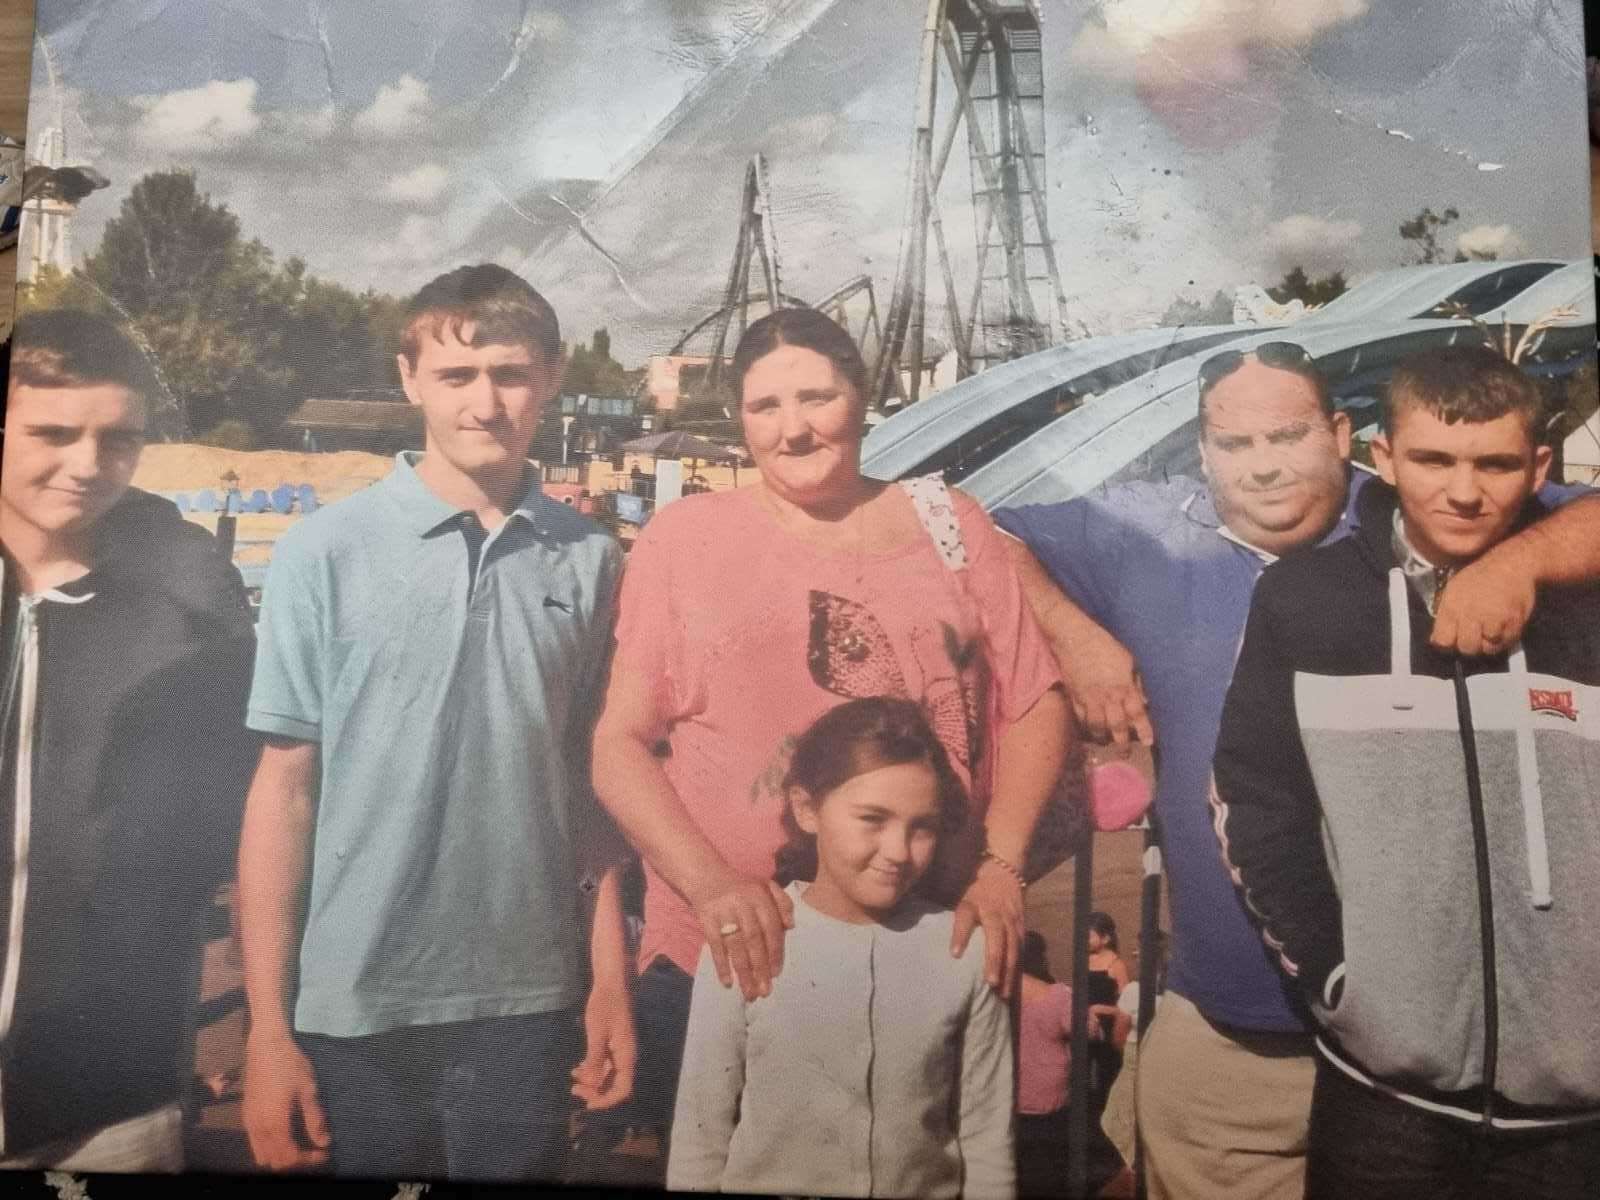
<point x="804" y="597"/>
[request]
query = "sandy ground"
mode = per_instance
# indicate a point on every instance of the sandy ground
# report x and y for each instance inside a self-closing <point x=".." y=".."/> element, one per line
<point x="182" y="466"/>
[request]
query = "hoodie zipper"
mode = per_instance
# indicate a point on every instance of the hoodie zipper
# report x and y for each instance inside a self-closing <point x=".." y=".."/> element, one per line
<point x="26" y="703"/>
<point x="1480" y="854"/>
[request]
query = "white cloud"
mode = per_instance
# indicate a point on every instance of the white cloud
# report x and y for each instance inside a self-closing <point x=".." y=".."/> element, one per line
<point x="1135" y="28"/>
<point x="1315" y="243"/>
<point x="416" y="241"/>
<point x="313" y="125"/>
<point x="209" y="117"/>
<point x="1199" y="65"/>
<point x="397" y="109"/>
<point x="1486" y="241"/>
<point x="423" y="184"/>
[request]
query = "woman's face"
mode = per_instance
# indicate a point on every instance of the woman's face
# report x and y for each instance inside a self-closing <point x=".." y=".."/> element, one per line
<point x="802" y="424"/>
<point x="1097" y="941"/>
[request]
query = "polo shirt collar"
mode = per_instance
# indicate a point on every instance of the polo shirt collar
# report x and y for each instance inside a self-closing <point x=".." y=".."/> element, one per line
<point x="425" y="512"/>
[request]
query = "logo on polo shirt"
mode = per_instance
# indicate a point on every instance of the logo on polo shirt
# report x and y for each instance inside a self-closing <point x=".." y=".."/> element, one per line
<point x="1559" y="704"/>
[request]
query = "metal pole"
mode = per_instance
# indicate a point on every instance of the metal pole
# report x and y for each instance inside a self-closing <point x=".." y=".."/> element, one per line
<point x="1078" y="1080"/>
<point x="1150" y="953"/>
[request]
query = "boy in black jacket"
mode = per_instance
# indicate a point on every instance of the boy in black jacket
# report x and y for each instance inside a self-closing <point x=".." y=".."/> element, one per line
<point x="1418" y="833"/>
<point x="124" y="666"/>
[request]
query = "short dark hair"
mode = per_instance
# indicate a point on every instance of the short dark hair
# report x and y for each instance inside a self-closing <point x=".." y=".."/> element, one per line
<point x="856" y="737"/>
<point x="1035" y="958"/>
<point x="1463" y="383"/>
<point x="68" y="347"/>
<point x="1280" y="356"/>
<point x="805" y="327"/>
<point x="500" y="305"/>
<point x="1101" y="923"/>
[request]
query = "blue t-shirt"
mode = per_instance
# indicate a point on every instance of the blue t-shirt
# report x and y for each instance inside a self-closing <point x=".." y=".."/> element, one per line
<point x="1150" y="562"/>
<point x="450" y="678"/>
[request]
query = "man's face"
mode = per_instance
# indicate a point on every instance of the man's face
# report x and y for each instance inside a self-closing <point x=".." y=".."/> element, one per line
<point x="1461" y="485"/>
<point x="1275" y="462"/>
<point x="481" y="404"/>
<point x="70" y="453"/>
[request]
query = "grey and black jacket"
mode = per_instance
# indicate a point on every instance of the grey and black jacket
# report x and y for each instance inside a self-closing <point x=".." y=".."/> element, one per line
<point x="121" y="784"/>
<point x="1419" y="835"/>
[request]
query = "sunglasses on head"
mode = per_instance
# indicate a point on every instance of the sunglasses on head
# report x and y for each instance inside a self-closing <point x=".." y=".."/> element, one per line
<point x="1283" y="356"/>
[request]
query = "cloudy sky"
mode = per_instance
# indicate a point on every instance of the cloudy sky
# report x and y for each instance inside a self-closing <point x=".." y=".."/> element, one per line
<point x="599" y="145"/>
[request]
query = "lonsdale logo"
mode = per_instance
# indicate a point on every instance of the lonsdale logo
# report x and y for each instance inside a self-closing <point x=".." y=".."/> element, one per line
<point x="1559" y="703"/>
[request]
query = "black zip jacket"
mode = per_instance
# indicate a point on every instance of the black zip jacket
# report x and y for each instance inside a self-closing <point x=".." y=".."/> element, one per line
<point x="1437" y="908"/>
<point x="125" y="724"/>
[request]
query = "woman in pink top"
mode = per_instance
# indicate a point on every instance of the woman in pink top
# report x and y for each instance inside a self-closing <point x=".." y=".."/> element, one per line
<point x="747" y="614"/>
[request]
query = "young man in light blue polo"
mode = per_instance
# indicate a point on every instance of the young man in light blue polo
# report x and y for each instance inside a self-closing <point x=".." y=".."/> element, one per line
<point x="431" y="654"/>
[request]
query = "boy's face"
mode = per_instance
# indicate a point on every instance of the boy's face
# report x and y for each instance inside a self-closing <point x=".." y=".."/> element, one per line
<point x="70" y="453"/>
<point x="481" y="404"/>
<point x="1461" y="485"/>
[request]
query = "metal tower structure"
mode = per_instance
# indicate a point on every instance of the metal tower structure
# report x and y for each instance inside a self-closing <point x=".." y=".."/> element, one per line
<point x="758" y="242"/>
<point x="991" y="52"/>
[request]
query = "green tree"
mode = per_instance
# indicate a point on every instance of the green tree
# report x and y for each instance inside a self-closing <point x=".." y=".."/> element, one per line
<point x="1219" y="311"/>
<point x="1423" y="231"/>
<point x="1297" y="285"/>
<point x="239" y="340"/>
<point x="592" y="371"/>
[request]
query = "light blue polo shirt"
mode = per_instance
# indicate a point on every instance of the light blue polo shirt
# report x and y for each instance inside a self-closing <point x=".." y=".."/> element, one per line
<point x="454" y="717"/>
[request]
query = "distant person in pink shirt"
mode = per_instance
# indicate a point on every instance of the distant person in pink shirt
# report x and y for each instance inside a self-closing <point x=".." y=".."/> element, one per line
<point x="746" y="615"/>
<point x="1044" y="1065"/>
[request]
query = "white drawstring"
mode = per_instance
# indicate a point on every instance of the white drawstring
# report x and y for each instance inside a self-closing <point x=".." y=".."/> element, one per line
<point x="1400" y="639"/>
<point x="1532" y="791"/>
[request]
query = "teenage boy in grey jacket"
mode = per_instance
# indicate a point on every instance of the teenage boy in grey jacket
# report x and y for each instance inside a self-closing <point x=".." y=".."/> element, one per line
<point x="1417" y="832"/>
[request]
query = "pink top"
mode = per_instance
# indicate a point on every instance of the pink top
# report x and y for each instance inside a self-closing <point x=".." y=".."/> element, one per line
<point x="750" y="634"/>
<point x="1044" y="1056"/>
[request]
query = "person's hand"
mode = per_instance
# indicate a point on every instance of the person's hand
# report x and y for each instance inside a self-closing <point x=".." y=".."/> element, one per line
<point x="1106" y="692"/>
<point x="1121" y="1024"/>
<point x="604" y="1079"/>
<point x="1485" y="605"/>
<point x="283" y="1118"/>
<point x="744" y="922"/>
<point x="994" y="901"/>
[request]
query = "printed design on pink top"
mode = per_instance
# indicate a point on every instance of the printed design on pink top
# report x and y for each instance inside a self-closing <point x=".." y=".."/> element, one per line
<point x="850" y="655"/>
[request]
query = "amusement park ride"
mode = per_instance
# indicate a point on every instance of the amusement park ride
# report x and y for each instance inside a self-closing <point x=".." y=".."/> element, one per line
<point x="989" y="55"/>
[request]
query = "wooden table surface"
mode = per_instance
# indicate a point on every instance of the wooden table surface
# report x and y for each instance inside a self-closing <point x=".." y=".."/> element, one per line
<point x="16" y="56"/>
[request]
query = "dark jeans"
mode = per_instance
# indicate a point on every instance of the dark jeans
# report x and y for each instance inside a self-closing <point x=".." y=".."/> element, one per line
<point x="1364" y="1144"/>
<point x="485" y="1100"/>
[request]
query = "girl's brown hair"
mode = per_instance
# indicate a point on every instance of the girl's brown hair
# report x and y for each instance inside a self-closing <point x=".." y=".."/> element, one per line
<point x="852" y="739"/>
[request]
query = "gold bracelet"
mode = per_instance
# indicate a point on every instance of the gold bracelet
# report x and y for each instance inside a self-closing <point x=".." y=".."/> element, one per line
<point x="1007" y="866"/>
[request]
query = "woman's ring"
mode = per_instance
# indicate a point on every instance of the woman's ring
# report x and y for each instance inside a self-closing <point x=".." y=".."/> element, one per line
<point x="728" y="930"/>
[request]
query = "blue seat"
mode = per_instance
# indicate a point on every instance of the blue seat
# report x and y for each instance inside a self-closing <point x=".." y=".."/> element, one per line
<point x="282" y="498"/>
<point x="205" y="500"/>
<point x="181" y="499"/>
<point x="257" y="503"/>
<point x="307" y="496"/>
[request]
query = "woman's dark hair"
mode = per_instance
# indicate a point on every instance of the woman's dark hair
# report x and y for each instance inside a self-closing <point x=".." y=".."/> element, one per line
<point x="852" y="739"/>
<point x="805" y="327"/>
<point x="1102" y="924"/>
<point x="1036" y="956"/>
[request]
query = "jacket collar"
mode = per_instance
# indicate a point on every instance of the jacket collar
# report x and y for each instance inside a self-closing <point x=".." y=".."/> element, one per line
<point x="425" y="513"/>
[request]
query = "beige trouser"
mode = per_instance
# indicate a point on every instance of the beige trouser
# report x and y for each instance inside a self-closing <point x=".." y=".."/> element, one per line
<point x="147" y="1144"/>
<point x="1222" y="1114"/>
